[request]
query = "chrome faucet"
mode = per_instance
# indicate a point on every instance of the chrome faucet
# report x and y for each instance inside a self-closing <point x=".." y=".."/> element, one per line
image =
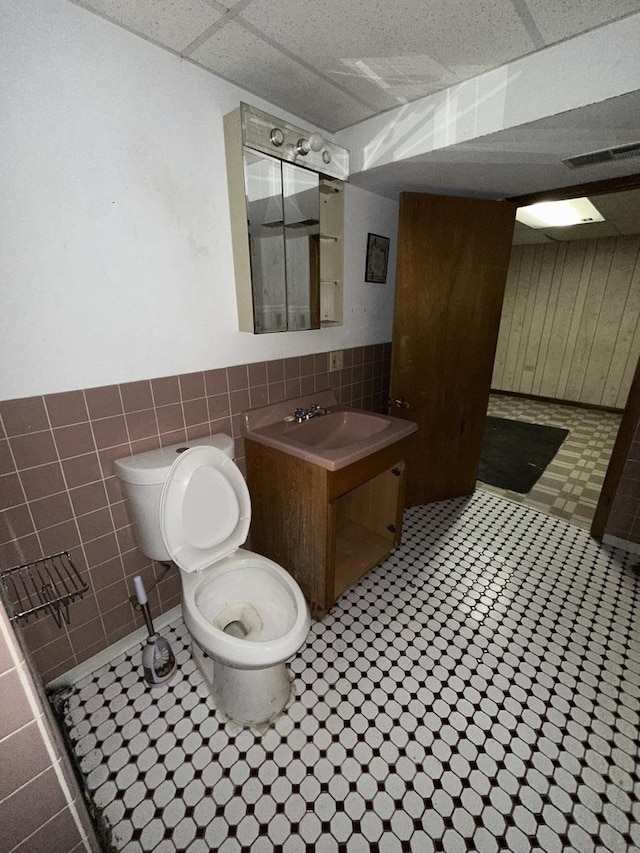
<point x="314" y="411"/>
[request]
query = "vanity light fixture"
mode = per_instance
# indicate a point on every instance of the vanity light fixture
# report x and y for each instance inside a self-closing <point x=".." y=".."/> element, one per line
<point x="558" y="214"/>
<point x="277" y="138"/>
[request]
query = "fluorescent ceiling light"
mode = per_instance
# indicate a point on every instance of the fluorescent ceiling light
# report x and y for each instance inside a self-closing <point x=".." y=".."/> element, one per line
<point x="555" y="214"/>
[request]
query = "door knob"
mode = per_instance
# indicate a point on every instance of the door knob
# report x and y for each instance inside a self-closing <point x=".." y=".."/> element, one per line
<point x="400" y="403"/>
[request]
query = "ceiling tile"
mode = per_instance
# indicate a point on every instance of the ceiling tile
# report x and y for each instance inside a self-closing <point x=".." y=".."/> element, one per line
<point x="558" y="21"/>
<point x="238" y="55"/>
<point x="171" y="23"/>
<point x="386" y="82"/>
<point x="466" y="37"/>
<point x="622" y="209"/>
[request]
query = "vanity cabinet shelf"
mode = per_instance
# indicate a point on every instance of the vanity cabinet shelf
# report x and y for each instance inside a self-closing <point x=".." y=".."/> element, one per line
<point x="327" y="528"/>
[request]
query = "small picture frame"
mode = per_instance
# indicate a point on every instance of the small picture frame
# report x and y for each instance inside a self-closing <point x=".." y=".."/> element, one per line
<point x="377" y="258"/>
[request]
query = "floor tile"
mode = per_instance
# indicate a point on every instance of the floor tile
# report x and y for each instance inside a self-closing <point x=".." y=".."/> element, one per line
<point x="476" y="691"/>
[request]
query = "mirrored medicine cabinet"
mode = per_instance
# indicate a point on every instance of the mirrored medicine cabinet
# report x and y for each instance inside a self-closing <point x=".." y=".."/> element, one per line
<point x="287" y="220"/>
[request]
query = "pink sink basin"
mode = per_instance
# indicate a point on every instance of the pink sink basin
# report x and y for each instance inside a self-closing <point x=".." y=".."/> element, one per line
<point x="330" y="441"/>
<point x="337" y="429"/>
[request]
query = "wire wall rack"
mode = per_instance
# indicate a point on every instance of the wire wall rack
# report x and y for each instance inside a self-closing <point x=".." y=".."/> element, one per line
<point x="48" y="585"/>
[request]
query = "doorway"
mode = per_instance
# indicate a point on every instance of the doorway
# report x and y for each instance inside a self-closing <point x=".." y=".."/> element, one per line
<point x="570" y="333"/>
<point x="429" y="347"/>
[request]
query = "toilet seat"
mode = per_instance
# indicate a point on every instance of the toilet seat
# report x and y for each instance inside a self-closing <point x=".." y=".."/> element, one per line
<point x="205" y="508"/>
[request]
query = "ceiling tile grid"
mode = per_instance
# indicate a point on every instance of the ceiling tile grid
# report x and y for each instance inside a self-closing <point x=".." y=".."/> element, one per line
<point x="334" y="64"/>
<point x="254" y="64"/>
<point x="355" y="59"/>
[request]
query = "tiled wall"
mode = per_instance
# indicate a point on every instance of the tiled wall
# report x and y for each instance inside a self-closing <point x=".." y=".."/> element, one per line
<point x="624" y="518"/>
<point x="40" y="805"/>
<point x="58" y="490"/>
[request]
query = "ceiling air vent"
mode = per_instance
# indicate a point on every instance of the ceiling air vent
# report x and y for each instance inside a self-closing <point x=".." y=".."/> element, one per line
<point x="606" y="155"/>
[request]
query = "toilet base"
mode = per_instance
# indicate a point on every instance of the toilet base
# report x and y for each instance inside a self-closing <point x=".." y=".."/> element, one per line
<point x="248" y="696"/>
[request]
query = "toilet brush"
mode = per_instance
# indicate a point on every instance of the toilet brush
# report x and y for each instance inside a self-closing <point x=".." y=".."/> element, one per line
<point x="158" y="661"/>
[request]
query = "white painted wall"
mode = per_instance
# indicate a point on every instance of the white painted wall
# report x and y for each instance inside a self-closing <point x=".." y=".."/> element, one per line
<point x="115" y="247"/>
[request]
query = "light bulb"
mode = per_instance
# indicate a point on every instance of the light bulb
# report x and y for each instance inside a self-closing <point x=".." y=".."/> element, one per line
<point x="314" y="143"/>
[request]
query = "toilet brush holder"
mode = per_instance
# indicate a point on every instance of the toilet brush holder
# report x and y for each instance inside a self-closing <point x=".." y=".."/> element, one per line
<point x="158" y="661"/>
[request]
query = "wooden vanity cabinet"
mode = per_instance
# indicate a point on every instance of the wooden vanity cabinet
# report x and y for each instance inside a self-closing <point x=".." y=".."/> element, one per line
<point x="327" y="528"/>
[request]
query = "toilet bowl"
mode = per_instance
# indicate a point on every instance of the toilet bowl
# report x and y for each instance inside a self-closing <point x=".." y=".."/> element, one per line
<point x="246" y="615"/>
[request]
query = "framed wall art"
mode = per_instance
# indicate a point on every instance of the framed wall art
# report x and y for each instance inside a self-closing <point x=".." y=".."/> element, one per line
<point x="377" y="258"/>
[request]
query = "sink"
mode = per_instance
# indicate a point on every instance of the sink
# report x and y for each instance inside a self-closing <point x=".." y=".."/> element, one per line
<point x="331" y="441"/>
<point x="337" y="429"/>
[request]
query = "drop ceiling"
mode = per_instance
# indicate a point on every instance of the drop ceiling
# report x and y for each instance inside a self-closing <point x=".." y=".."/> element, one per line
<point x="621" y="213"/>
<point x="336" y="63"/>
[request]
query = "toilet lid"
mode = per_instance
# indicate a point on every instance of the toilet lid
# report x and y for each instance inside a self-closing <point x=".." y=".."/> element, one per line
<point x="205" y="509"/>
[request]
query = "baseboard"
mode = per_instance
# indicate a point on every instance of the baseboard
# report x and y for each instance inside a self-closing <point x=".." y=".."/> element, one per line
<point x="623" y="544"/>
<point x="121" y="647"/>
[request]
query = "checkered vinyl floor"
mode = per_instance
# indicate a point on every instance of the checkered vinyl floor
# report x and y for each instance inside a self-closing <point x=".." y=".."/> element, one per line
<point x="570" y="486"/>
<point x="476" y="691"/>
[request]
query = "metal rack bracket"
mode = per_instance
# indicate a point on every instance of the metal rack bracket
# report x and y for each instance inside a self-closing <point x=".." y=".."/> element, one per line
<point x="46" y="585"/>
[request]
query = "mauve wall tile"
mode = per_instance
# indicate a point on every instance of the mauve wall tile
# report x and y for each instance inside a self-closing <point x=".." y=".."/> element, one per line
<point x="34" y="812"/>
<point x="16" y="711"/>
<point x="41" y="799"/>
<point x="195" y="411"/>
<point x="258" y="396"/>
<point x="192" y="386"/>
<point x="258" y="373"/>
<point x="7" y="465"/>
<point x="65" y="445"/>
<point x="74" y="440"/>
<point x="24" y="416"/>
<point x="165" y="390"/>
<point x="15" y="523"/>
<point x="110" y="432"/>
<point x="23" y="757"/>
<point x="216" y="381"/>
<point x="238" y="377"/>
<point x="136" y="396"/>
<point x="142" y="424"/>
<point x="275" y="370"/>
<point x="88" y="498"/>
<point x="104" y="402"/>
<point x="40" y="631"/>
<point x="62" y="828"/>
<point x="33" y="449"/>
<point x="42" y="481"/>
<point x="82" y="470"/>
<point x="67" y="408"/>
<point x="51" y="510"/>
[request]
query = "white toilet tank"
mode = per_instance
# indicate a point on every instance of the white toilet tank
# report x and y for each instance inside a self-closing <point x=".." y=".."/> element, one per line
<point x="143" y="477"/>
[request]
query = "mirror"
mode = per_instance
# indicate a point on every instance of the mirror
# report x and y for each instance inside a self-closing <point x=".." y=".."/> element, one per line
<point x="287" y="223"/>
<point x="283" y="220"/>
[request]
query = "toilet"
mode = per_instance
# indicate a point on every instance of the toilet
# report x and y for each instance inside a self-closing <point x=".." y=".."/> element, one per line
<point x="190" y="504"/>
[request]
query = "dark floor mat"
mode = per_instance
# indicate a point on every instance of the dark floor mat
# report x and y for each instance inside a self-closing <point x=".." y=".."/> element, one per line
<point x="515" y="453"/>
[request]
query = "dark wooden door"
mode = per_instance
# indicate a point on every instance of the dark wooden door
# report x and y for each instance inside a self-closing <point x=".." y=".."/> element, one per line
<point x="453" y="255"/>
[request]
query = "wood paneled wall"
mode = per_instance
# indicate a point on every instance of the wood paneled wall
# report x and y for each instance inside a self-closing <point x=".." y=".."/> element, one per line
<point x="569" y="327"/>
